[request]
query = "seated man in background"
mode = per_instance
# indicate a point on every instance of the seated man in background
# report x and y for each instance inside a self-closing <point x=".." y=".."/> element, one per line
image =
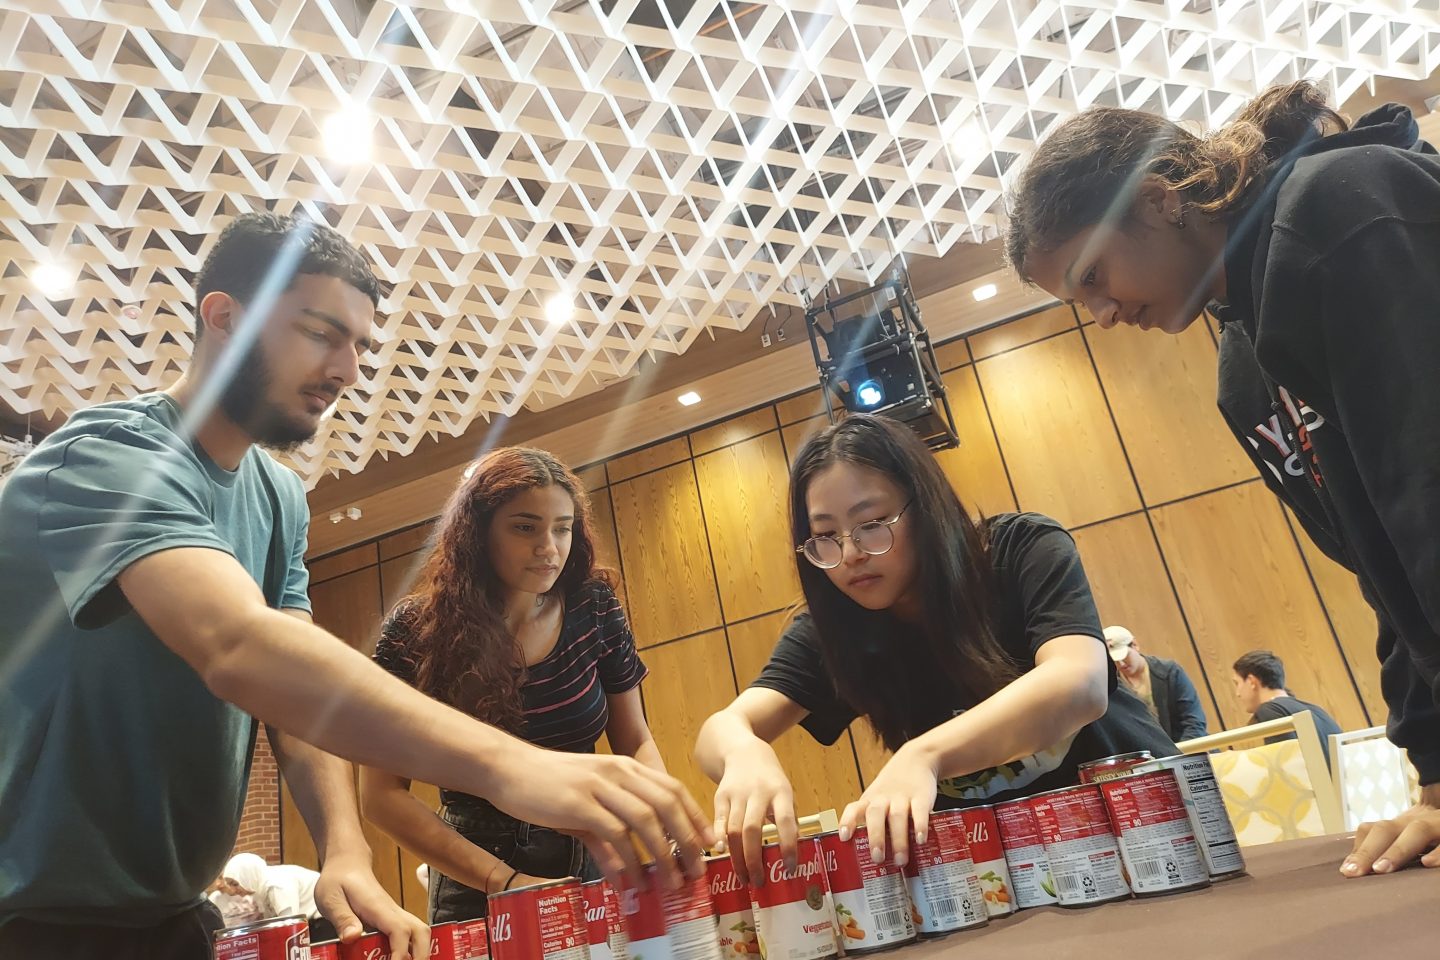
<point x="1260" y="688"/>
<point x="1162" y="684"/>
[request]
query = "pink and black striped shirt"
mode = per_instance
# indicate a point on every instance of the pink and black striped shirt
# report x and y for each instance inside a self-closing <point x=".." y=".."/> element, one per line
<point x="563" y="695"/>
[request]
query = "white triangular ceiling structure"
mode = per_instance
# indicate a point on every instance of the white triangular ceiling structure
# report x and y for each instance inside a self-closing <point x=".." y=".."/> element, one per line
<point x="669" y="168"/>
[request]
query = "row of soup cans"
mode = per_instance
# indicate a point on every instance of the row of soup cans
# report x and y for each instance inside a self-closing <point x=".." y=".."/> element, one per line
<point x="1141" y="826"/>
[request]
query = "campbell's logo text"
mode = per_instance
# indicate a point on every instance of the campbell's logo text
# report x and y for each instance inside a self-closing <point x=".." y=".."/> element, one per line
<point x="802" y="871"/>
<point x="500" y="929"/>
<point x="726" y="882"/>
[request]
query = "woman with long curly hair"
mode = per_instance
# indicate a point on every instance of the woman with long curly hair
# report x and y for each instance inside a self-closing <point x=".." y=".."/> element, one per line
<point x="512" y="621"/>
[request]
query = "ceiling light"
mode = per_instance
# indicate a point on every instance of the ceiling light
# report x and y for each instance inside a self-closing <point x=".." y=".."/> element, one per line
<point x="55" y="281"/>
<point x="689" y="398"/>
<point x="349" y="134"/>
<point x="559" y="309"/>
<point x="985" y="291"/>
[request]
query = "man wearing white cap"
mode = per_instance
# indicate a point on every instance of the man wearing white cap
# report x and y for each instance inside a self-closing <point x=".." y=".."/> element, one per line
<point x="1162" y="684"/>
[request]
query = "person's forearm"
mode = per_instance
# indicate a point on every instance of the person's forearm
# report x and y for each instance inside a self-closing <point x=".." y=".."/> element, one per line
<point x="418" y="829"/>
<point x="299" y="678"/>
<point x="1032" y="713"/>
<point x="323" y="786"/>
<point x="648" y="753"/>
<point x="721" y="737"/>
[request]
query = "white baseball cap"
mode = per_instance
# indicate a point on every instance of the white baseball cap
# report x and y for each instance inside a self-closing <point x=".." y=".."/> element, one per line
<point x="1119" y="640"/>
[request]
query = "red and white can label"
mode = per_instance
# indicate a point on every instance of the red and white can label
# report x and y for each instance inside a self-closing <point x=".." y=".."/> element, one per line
<point x="872" y="906"/>
<point x="690" y="920"/>
<point x="597" y="918"/>
<point x="1206" y="806"/>
<point x="1081" y="845"/>
<point x="984" y="835"/>
<point x="945" y="892"/>
<point x="794" y="913"/>
<point x="734" y="920"/>
<point x="643" y="913"/>
<point x="370" y="946"/>
<point x="1025" y="854"/>
<point x="330" y="950"/>
<point x="461" y="940"/>
<point x="1157" y="840"/>
<point x="286" y="938"/>
<point x="539" y="923"/>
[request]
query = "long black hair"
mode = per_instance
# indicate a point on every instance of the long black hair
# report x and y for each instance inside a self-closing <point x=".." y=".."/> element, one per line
<point x="903" y="678"/>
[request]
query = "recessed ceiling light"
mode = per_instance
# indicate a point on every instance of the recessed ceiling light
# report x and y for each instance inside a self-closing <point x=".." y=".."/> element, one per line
<point x="689" y="398"/>
<point x="54" y="280"/>
<point x="559" y="309"/>
<point x="349" y="134"/>
<point x="985" y="291"/>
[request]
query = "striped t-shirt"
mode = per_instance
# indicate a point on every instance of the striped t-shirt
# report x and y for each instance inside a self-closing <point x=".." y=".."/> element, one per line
<point x="563" y="695"/>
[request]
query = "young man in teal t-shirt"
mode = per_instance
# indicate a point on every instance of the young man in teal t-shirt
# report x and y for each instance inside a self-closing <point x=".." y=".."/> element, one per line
<point x="153" y="608"/>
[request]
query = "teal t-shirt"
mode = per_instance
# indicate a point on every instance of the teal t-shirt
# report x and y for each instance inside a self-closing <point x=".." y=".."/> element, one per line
<point x="122" y="777"/>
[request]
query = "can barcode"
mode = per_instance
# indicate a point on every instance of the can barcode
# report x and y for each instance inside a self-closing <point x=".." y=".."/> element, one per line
<point x="946" y="908"/>
<point x="1149" y="870"/>
<point x="890" y="920"/>
<point x="1068" y="883"/>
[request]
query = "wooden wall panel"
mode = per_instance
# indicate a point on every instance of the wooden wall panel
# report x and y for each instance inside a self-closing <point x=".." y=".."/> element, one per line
<point x="593" y="477"/>
<point x="651" y="458"/>
<point x="1354" y="622"/>
<point x="406" y="541"/>
<point x="1162" y="392"/>
<point x="1017" y="333"/>
<point x="1057" y="436"/>
<point x="339" y="564"/>
<point x="975" y="469"/>
<point x="821" y="777"/>
<point x="689" y="680"/>
<point x="743" y="490"/>
<point x="802" y="406"/>
<point x="797" y="433"/>
<point x="734" y="430"/>
<point x="871" y="752"/>
<point x="607" y="547"/>
<point x="397" y="576"/>
<point x="1244" y="586"/>
<point x="954" y="354"/>
<point x="350" y="607"/>
<point x="669" y="582"/>
<point x="1131" y="589"/>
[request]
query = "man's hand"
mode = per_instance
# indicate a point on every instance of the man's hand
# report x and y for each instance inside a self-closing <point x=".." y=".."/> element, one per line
<point x="350" y="897"/>
<point x="1388" y="845"/>
<point x="602" y="800"/>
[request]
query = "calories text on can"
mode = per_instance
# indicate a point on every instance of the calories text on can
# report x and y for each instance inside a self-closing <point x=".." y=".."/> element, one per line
<point x="1206" y="806"/>
<point x="1030" y="875"/>
<point x="984" y="835"/>
<point x="872" y="906"/>
<point x="734" y="920"/>
<point x="282" y="938"/>
<point x="794" y="914"/>
<point x="1157" y="839"/>
<point x="543" y="922"/>
<point x="1081" y="846"/>
<point x="945" y="892"/>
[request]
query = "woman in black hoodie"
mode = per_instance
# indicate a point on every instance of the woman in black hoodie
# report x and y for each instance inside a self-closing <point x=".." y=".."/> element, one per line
<point x="1317" y="246"/>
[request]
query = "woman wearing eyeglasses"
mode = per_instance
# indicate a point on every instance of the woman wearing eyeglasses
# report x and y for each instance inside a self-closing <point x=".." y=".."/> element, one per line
<point x="974" y="651"/>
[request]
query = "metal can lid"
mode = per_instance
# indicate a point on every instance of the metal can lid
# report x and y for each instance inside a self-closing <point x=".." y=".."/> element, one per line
<point x="548" y="884"/>
<point x="265" y="924"/>
<point x="1136" y="756"/>
<point x="1074" y="788"/>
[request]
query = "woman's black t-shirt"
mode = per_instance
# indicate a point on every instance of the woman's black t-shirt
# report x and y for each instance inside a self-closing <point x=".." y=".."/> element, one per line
<point x="1042" y="594"/>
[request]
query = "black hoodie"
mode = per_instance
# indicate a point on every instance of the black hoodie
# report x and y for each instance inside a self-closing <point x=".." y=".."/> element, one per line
<point x="1330" y="378"/>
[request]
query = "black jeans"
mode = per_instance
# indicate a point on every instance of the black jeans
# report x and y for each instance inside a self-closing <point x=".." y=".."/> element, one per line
<point x="537" y="851"/>
<point x="186" y="936"/>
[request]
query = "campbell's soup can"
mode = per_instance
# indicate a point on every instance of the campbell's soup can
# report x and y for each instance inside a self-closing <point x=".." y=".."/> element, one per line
<point x="983" y="833"/>
<point x="1206" y="806"/>
<point x="329" y="950"/>
<point x="872" y="906"/>
<point x="282" y="938"/>
<point x="665" y="924"/>
<point x="459" y="940"/>
<point x="1080" y="843"/>
<point x="542" y="922"/>
<point x="1108" y="768"/>
<point x="794" y="914"/>
<point x="370" y="946"/>
<point x="1030" y="876"/>
<point x="603" y="923"/>
<point x="734" y="920"/>
<point x="1157" y="839"/>
<point x="945" y="893"/>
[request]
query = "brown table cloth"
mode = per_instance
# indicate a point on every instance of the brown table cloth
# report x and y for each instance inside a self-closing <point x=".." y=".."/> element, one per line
<point x="1294" y="903"/>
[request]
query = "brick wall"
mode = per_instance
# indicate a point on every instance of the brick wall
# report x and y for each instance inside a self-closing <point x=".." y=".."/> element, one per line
<point x="260" y="823"/>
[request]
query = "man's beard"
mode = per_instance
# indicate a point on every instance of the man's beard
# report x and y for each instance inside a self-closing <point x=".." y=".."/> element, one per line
<point x="246" y="403"/>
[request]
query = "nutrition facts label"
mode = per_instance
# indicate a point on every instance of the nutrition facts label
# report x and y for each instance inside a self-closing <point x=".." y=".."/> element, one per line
<point x="1157" y="840"/>
<point x="1202" y="795"/>
<point x="561" y="938"/>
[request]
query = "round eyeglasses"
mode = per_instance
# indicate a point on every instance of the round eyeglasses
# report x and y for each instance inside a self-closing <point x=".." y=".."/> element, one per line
<point x="873" y="537"/>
